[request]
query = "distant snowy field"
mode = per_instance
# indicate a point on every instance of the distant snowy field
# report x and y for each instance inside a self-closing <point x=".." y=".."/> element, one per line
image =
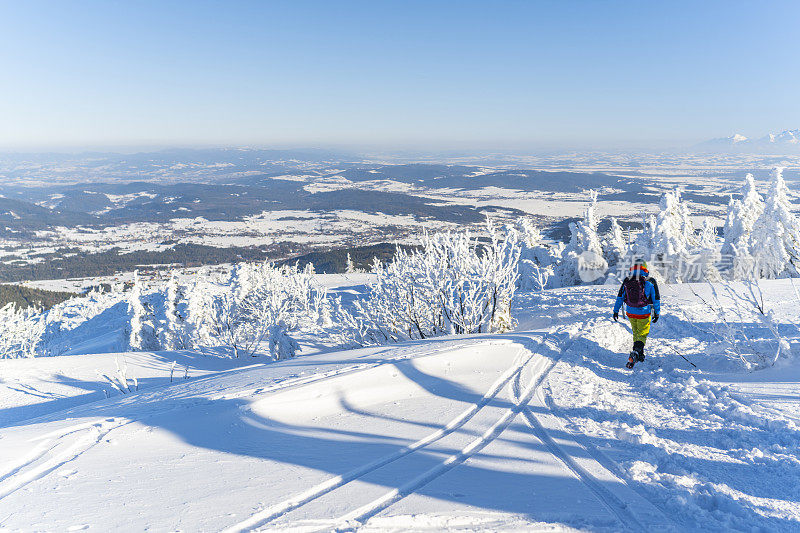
<point x="54" y="208"/>
<point x="540" y="428"/>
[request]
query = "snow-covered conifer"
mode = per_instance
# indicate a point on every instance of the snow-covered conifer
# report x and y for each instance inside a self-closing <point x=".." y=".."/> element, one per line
<point x="172" y="335"/>
<point x="775" y="240"/>
<point x="349" y="267"/>
<point x="643" y="244"/>
<point x="584" y="245"/>
<point x="739" y="223"/>
<point x="281" y="345"/>
<point x="536" y="258"/>
<point x="706" y="255"/>
<point x="142" y="325"/>
<point x="673" y="237"/>
<point x="615" y="246"/>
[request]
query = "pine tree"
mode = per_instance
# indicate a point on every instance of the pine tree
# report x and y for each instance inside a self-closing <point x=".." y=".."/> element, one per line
<point x="673" y="237"/>
<point x="142" y="320"/>
<point x="584" y="244"/>
<point x="739" y="224"/>
<point x="536" y="259"/>
<point x="172" y="336"/>
<point x="615" y="245"/>
<point x="642" y="247"/>
<point x="706" y="255"/>
<point x="775" y="240"/>
<point x="349" y="268"/>
<point x="281" y="345"/>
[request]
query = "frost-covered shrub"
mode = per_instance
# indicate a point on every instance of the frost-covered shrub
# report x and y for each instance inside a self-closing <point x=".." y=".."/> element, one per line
<point x="242" y="312"/>
<point x="21" y="332"/>
<point x="453" y="285"/>
<point x="743" y="326"/>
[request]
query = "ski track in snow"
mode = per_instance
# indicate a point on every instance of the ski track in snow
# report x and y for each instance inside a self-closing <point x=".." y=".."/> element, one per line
<point x="360" y="515"/>
<point x="54" y="452"/>
<point x="521" y="399"/>
<point x="271" y="513"/>
<point x="618" y="507"/>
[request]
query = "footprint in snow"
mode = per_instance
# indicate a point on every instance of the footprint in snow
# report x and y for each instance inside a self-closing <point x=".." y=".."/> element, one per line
<point x="80" y="527"/>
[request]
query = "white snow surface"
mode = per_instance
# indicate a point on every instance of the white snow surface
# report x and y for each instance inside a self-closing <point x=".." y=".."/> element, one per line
<point x="539" y="429"/>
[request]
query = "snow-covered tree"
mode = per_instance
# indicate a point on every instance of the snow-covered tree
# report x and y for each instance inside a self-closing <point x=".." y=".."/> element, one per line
<point x="281" y="345"/>
<point x="21" y="332"/>
<point x="453" y="285"/>
<point x="198" y="322"/>
<point x="350" y="267"/>
<point x="775" y="240"/>
<point x="536" y="258"/>
<point x="240" y="312"/>
<point x="615" y="245"/>
<point x="673" y="237"/>
<point x="584" y="245"/>
<point x="142" y="320"/>
<point x="706" y="255"/>
<point x="172" y="334"/>
<point x="643" y="244"/>
<point x="738" y="228"/>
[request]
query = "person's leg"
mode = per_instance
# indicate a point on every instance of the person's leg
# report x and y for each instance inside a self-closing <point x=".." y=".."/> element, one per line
<point x="641" y="328"/>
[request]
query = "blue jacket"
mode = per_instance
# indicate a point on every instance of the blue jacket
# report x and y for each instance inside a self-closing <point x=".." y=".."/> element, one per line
<point x="653" y="299"/>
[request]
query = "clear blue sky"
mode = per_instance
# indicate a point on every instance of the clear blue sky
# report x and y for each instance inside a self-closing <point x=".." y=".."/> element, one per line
<point x="424" y="73"/>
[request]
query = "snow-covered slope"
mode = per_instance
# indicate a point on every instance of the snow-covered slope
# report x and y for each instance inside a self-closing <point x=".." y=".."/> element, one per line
<point x="541" y="428"/>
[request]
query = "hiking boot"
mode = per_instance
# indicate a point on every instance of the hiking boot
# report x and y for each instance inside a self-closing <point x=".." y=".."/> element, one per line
<point x="638" y="348"/>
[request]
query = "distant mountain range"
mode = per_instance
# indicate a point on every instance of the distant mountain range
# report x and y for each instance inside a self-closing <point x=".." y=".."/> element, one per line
<point x="786" y="141"/>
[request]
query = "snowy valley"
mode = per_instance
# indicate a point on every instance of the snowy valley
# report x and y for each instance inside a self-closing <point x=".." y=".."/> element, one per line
<point x="81" y="216"/>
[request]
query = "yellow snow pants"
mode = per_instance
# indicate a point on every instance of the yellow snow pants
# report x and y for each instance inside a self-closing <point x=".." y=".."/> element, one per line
<point x="641" y="328"/>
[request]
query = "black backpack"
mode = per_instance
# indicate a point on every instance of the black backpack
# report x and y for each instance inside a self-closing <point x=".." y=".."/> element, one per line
<point x="634" y="292"/>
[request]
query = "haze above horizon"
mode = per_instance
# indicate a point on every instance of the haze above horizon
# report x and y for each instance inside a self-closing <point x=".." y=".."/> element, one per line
<point x="411" y="74"/>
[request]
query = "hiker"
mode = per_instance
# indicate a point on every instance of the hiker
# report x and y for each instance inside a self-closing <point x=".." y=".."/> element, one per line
<point x="640" y="295"/>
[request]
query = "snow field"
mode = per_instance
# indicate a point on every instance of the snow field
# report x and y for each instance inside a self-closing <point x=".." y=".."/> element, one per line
<point x="537" y="429"/>
<point x="390" y="435"/>
<point x="704" y="453"/>
<point x="147" y="426"/>
<point x="36" y="387"/>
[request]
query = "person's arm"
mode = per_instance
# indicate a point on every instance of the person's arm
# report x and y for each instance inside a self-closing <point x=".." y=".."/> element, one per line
<point x="620" y="299"/>
<point x="656" y="297"/>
